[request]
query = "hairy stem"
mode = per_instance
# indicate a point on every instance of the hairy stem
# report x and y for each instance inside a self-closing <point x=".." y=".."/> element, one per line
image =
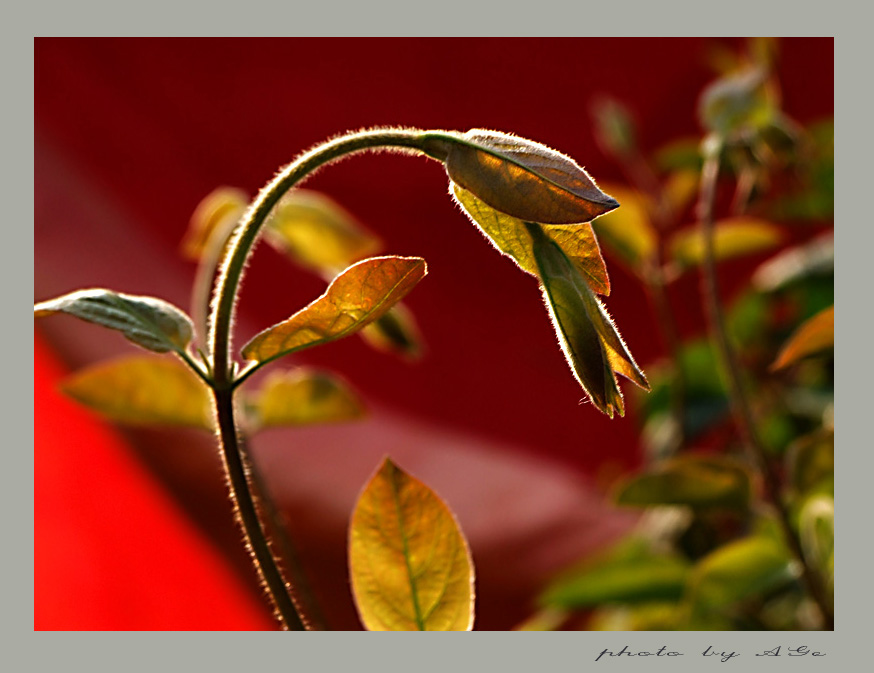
<point x="237" y="468"/>
<point x="239" y="471"/>
<point x="740" y="404"/>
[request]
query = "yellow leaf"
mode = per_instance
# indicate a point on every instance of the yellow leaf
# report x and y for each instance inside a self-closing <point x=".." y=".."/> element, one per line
<point x="395" y="332"/>
<point x="317" y="233"/>
<point x="815" y="335"/>
<point x="681" y="187"/>
<point x="143" y="390"/>
<point x="524" y="179"/>
<point x="733" y="237"/>
<point x="303" y="397"/>
<point x="355" y="298"/>
<point x="628" y="231"/>
<point x="510" y="236"/>
<point x="221" y="206"/>
<point x="408" y="560"/>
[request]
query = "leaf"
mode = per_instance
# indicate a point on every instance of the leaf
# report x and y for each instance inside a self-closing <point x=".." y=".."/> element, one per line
<point x="524" y="179"/>
<point x="143" y="389"/>
<point x="748" y="567"/>
<point x="408" y="560"/>
<point x="628" y="231"/>
<point x="815" y="259"/>
<point x="395" y="332"/>
<point x="681" y="187"/>
<point x="317" y="233"/>
<point x="813" y="336"/>
<point x="354" y="299"/>
<point x="811" y="459"/>
<point x="592" y="346"/>
<point x="614" y="127"/>
<point x="510" y="236"/>
<point x="221" y="206"/>
<point x="738" y="102"/>
<point x="734" y="237"/>
<point x="303" y="397"/>
<point x="696" y="481"/>
<point x="627" y="573"/>
<point x="148" y="322"/>
<point x="816" y="525"/>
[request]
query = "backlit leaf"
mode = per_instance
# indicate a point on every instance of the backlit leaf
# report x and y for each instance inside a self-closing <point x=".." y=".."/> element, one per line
<point x="524" y="179"/>
<point x="303" y="397"/>
<point x="143" y="389"/>
<point x="408" y="560"/>
<point x="733" y="237"/>
<point x="592" y="346"/>
<point x="627" y="573"/>
<point x="697" y="481"/>
<point x="148" y="322"/>
<point x="739" y="570"/>
<point x="395" y="332"/>
<point x="317" y="233"/>
<point x="355" y="298"/>
<point x="222" y="205"/>
<point x="628" y="231"/>
<point x="681" y="188"/>
<point x="813" y="336"/>
<point x="510" y="236"/>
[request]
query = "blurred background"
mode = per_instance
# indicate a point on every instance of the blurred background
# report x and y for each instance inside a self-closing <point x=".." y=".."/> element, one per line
<point x="132" y="525"/>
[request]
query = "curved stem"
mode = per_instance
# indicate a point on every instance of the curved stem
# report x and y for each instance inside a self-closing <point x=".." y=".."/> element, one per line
<point x="239" y="471"/>
<point x="246" y="235"/>
<point x="740" y="405"/>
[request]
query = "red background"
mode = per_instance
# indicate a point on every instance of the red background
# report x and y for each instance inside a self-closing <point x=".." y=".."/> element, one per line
<point x="146" y="128"/>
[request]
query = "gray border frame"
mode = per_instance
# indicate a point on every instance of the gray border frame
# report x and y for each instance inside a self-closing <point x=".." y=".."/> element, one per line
<point x="493" y="651"/>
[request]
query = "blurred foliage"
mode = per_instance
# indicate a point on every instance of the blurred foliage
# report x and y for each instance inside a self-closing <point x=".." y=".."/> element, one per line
<point x="706" y="554"/>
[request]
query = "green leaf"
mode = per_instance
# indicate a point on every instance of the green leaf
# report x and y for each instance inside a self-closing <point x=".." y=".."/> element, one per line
<point x="220" y="207"/>
<point x="358" y="296"/>
<point x="628" y="231"/>
<point x="816" y="525"/>
<point x="317" y="233"/>
<point x="696" y="481"/>
<point x="510" y="236"/>
<point x="737" y="103"/>
<point x="627" y="573"/>
<point x="734" y="237"/>
<point x="523" y="179"/>
<point x="813" y="336"/>
<point x="614" y="127"/>
<point x="592" y="346"/>
<point x="811" y="459"/>
<point x="143" y="390"/>
<point x="408" y="560"/>
<point x="148" y="322"/>
<point x="303" y="397"/>
<point x="749" y="567"/>
<point x="395" y="332"/>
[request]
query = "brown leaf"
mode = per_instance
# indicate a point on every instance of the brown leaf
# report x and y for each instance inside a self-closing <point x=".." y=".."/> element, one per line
<point x="524" y="179"/>
<point x="408" y="559"/>
<point x="815" y="335"/>
<point x="354" y="299"/>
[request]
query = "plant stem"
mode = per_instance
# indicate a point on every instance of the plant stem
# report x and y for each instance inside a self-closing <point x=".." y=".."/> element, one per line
<point x="740" y="405"/>
<point x="237" y="466"/>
